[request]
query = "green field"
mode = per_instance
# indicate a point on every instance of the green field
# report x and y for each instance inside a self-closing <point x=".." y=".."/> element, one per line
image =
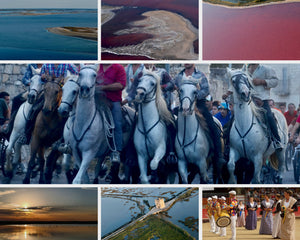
<point x="153" y="227"/>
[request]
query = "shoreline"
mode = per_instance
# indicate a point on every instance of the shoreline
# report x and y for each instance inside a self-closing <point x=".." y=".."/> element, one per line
<point x="35" y="12"/>
<point x="251" y="6"/>
<point x="81" y="32"/>
<point x="173" y="37"/>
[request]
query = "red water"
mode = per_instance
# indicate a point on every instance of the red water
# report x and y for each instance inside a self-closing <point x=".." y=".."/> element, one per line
<point x="269" y="32"/>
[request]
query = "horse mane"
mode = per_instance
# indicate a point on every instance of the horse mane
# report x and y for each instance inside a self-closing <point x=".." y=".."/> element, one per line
<point x="161" y="104"/>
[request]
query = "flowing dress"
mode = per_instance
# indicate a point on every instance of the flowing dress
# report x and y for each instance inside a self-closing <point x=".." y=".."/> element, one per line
<point x="241" y="222"/>
<point x="251" y="219"/>
<point x="266" y="226"/>
<point x="288" y="220"/>
<point x="277" y="220"/>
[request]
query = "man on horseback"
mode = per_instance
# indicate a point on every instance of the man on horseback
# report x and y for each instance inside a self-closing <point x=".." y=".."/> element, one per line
<point x="263" y="79"/>
<point x="190" y="70"/>
<point x="57" y="71"/>
<point x="111" y="79"/>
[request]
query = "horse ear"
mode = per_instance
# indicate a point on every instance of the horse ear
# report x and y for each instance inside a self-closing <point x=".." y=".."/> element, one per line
<point x="141" y="73"/>
<point x="81" y="65"/>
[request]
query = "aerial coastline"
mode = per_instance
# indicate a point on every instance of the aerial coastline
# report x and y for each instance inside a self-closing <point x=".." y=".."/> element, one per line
<point x="167" y="35"/>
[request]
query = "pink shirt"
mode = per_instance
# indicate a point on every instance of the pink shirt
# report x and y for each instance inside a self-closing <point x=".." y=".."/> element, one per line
<point x="113" y="74"/>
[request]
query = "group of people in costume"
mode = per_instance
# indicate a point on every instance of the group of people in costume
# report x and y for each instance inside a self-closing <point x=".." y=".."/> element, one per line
<point x="277" y="216"/>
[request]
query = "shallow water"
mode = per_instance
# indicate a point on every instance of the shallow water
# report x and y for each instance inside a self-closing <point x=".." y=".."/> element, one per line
<point x="48" y="232"/>
<point x="269" y="32"/>
<point x="26" y="37"/>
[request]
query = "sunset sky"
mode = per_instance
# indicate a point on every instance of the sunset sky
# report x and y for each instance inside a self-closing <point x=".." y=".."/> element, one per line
<point x="48" y="204"/>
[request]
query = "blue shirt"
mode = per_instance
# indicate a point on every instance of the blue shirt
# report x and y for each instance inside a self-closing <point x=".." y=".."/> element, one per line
<point x="223" y="120"/>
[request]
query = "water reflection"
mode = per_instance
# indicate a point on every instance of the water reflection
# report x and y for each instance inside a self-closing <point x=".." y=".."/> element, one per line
<point x="48" y="231"/>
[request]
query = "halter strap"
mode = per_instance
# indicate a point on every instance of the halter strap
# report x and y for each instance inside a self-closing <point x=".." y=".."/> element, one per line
<point x="243" y="137"/>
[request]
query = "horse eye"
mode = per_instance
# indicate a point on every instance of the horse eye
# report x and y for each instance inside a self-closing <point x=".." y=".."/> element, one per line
<point x="74" y="92"/>
<point x="152" y="84"/>
<point x="94" y="75"/>
<point x="195" y="92"/>
<point x="79" y="74"/>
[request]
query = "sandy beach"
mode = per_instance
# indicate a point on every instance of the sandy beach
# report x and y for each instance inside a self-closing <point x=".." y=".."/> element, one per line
<point x="173" y="37"/>
<point x="81" y="32"/>
<point x="107" y="13"/>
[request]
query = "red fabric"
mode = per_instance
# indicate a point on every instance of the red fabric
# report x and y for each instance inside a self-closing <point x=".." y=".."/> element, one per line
<point x="289" y="118"/>
<point x="113" y="74"/>
<point x="298" y="119"/>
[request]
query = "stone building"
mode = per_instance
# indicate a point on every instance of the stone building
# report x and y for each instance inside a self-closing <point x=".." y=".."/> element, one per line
<point x="160" y="203"/>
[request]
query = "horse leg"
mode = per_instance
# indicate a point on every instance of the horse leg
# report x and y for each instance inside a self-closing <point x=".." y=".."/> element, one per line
<point x="182" y="168"/>
<point x="257" y="161"/>
<point x="203" y="170"/>
<point x="9" y="160"/>
<point x="87" y="157"/>
<point x="233" y="157"/>
<point x="143" y="169"/>
<point x="30" y="167"/>
<point x="42" y="164"/>
<point x="281" y="164"/>
<point x="67" y="167"/>
<point x="158" y="155"/>
<point x="50" y="165"/>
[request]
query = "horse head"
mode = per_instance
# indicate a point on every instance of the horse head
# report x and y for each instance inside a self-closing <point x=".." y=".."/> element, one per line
<point x="69" y="95"/>
<point x="52" y="94"/>
<point x="35" y="88"/>
<point x="87" y="81"/>
<point x="241" y="83"/>
<point x="147" y="87"/>
<point x="188" y="95"/>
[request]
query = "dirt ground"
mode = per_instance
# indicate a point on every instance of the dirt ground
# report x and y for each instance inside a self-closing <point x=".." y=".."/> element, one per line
<point x="242" y="233"/>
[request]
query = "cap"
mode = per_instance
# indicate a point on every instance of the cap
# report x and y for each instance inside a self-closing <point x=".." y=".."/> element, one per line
<point x="215" y="197"/>
<point x="232" y="192"/>
<point x="209" y="199"/>
<point x="223" y="198"/>
<point x="223" y="106"/>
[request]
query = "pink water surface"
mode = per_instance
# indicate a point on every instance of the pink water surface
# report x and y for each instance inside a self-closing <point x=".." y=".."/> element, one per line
<point x="270" y="32"/>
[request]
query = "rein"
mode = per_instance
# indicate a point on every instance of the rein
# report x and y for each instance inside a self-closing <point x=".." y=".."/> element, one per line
<point x="145" y="132"/>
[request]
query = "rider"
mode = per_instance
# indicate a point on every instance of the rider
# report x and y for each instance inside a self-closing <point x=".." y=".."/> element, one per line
<point x="203" y="92"/>
<point x="111" y="79"/>
<point x="263" y="79"/>
<point x="55" y="70"/>
<point x="294" y="130"/>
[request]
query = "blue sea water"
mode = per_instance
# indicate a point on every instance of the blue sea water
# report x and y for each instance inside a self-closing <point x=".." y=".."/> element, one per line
<point x="26" y="37"/>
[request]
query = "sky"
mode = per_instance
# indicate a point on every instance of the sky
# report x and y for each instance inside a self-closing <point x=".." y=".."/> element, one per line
<point x="48" y="204"/>
<point x="48" y="4"/>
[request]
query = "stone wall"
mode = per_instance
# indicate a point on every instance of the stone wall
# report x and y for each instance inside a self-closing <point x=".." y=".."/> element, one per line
<point x="11" y="78"/>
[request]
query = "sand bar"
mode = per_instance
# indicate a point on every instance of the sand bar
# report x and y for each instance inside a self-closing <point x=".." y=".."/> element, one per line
<point x="173" y="37"/>
<point x="81" y="32"/>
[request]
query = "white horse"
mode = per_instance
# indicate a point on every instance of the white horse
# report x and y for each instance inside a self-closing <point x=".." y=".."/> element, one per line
<point x="67" y="108"/>
<point x="35" y="89"/>
<point x="150" y="136"/>
<point x="248" y="139"/>
<point x="192" y="144"/>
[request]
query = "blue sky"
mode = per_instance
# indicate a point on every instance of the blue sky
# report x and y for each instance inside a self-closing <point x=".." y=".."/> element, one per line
<point x="48" y="4"/>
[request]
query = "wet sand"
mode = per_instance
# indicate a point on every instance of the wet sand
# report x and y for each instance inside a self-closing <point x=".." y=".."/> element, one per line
<point x="173" y="37"/>
<point x="81" y="32"/>
<point x="253" y="5"/>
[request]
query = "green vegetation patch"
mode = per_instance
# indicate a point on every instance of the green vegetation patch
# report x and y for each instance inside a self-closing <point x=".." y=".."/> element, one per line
<point x="153" y="227"/>
<point x="191" y="223"/>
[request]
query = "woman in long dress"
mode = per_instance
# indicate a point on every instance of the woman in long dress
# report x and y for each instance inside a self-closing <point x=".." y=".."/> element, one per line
<point x="241" y="215"/>
<point x="266" y="225"/>
<point x="251" y="219"/>
<point x="277" y="218"/>
<point x="288" y="208"/>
